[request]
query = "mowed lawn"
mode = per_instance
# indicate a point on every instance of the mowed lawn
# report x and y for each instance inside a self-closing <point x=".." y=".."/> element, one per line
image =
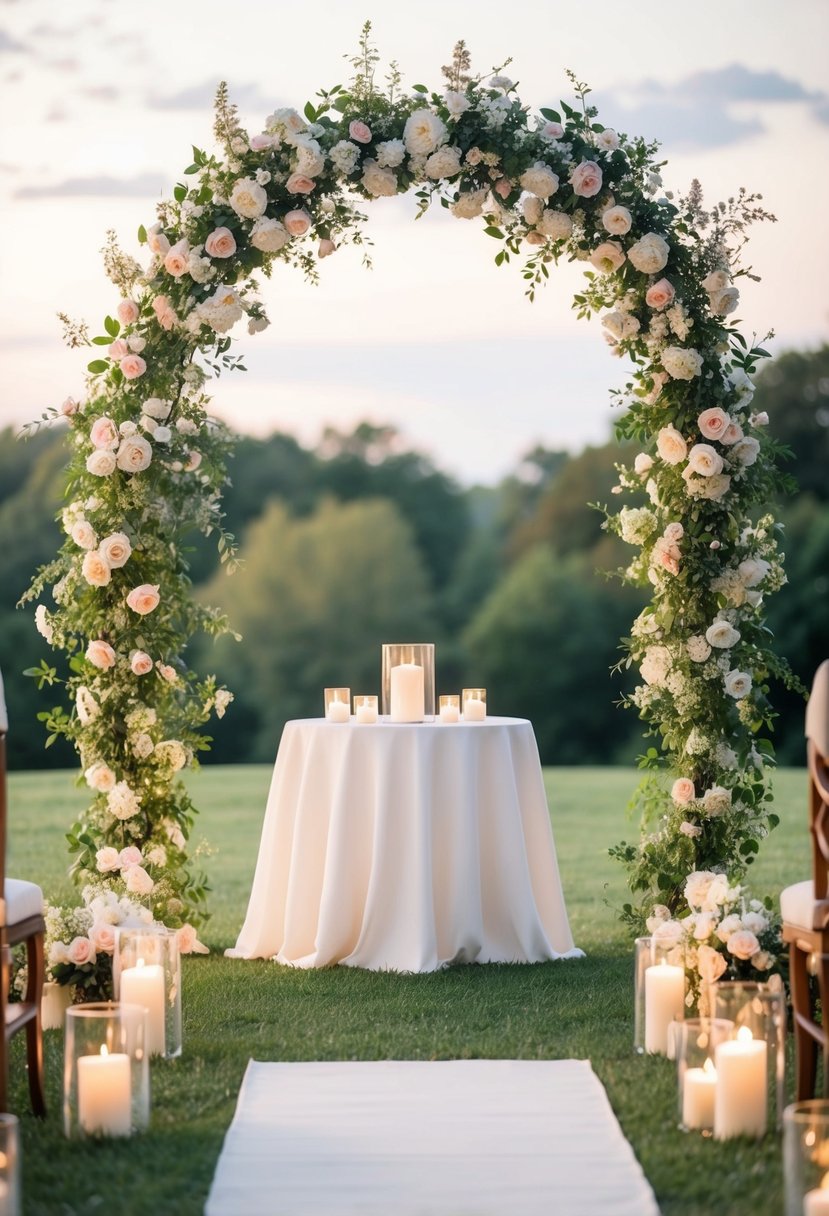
<point x="237" y="1010"/>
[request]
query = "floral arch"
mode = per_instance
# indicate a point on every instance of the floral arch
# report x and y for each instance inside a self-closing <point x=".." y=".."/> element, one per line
<point x="148" y="463"/>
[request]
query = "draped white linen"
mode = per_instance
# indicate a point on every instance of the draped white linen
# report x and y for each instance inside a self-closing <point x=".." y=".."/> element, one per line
<point x="406" y="847"/>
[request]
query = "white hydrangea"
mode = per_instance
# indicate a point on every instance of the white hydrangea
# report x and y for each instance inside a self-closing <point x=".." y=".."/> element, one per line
<point x="655" y="665"/>
<point x="390" y="153"/>
<point x="445" y="162"/>
<point x="698" y="648"/>
<point x="681" y="362"/>
<point x="122" y="802"/>
<point x="557" y="225"/>
<point x="636" y="524"/>
<point x="378" y="182"/>
<point x="222" y="310"/>
<point x="344" y="156"/>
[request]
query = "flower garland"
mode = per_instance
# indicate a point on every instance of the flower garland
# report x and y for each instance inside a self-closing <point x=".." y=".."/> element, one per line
<point x="148" y="462"/>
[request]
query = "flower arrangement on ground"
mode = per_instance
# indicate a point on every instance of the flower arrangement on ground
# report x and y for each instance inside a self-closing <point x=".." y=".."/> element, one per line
<point x="148" y="462"/>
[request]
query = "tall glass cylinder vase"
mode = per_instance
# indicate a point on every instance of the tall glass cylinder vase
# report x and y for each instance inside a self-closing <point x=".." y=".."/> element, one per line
<point x="408" y="682"/>
<point x="10" y="1189"/>
<point x="751" y="1066"/>
<point x="659" y="993"/>
<point x="806" y="1158"/>
<point x="696" y="1041"/>
<point x="106" y="1076"/>
<point x="146" y="970"/>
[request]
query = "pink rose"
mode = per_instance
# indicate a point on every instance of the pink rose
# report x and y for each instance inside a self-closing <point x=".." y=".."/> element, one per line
<point x="107" y="860"/>
<point x="104" y="433"/>
<point x="130" y="856"/>
<point x="164" y="311"/>
<point x="586" y="179"/>
<point x="81" y="951"/>
<point x="140" y="663"/>
<point x="733" y="433"/>
<point x="115" y="550"/>
<point x="608" y="256"/>
<point x="553" y="130"/>
<point x="220" y="244"/>
<point x="503" y="187"/>
<point x="69" y="407"/>
<point x="297" y="222"/>
<point x="298" y="183"/>
<point x="359" y="132"/>
<point x="193" y="461"/>
<point x="261" y="143"/>
<point x="144" y="599"/>
<point x="157" y="241"/>
<point x="326" y="248"/>
<point x="683" y="790"/>
<point x="188" y="942"/>
<point x="710" y="963"/>
<point x="117" y="349"/>
<point x="713" y="423"/>
<point x="138" y="881"/>
<point x="660" y="295"/>
<point x="166" y="672"/>
<point x="102" y="936"/>
<point x="100" y="654"/>
<point x="178" y="259"/>
<point x="127" y="312"/>
<point x="132" y="367"/>
<point x="134" y="454"/>
<point x="95" y="569"/>
<point x="742" y="944"/>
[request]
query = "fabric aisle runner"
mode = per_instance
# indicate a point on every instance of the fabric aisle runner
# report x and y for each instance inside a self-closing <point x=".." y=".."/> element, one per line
<point x="410" y="1138"/>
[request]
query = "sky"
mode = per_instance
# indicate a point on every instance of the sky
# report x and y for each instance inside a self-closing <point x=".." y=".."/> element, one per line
<point x="103" y="100"/>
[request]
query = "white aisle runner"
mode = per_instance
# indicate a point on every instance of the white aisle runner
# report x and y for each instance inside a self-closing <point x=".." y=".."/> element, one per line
<point x="445" y="1138"/>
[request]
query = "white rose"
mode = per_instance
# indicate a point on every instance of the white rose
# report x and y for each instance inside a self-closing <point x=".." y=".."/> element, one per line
<point x="722" y="635"/>
<point x="248" y="198"/>
<point x="83" y="534"/>
<point x="755" y="921"/>
<point x="456" y="103"/>
<point x="162" y="434"/>
<point x="100" y="777"/>
<point x="671" y="446"/>
<point x="138" y="881"/>
<point x="134" y="454"/>
<point x="423" y="132"/>
<point x="115" y="550"/>
<point x="743" y="944"/>
<point x="43" y="624"/>
<point x="725" y="301"/>
<point x="617" y="220"/>
<point x="446" y="162"/>
<point x="704" y="461"/>
<point x="267" y="235"/>
<point x="752" y="571"/>
<point x="469" y="205"/>
<point x="390" y="153"/>
<point x="642" y="464"/>
<point x="100" y="463"/>
<point x="539" y="180"/>
<point x="378" y="182"/>
<point x="650" y="253"/>
<point x="95" y="569"/>
<point x="556" y="225"/>
<point x="681" y="362"/>
<point x="716" y="801"/>
<point x="155" y="408"/>
<point x="607" y="140"/>
<point x="745" y="451"/>
<point x="698" y="649"/>
<point x="715" y="281"/>
<point x="737" y="684"/>
<point x="655" y="665"/>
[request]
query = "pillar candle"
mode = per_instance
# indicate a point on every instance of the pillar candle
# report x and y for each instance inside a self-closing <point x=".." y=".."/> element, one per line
<point x="816" y="1202"/>
<point x="104" y="1096"/>
<point x="144" y="985"/>
<point x="407" y="694"/>
<point x="699" y="1088"/>
<point x="664" y="1001"/>
<point x="474" y="710"/>
<point x="449" y="713"/>
<point x="366" y="713"/>
<point x="742" y="1078"/>
<point x="338" y="711"/>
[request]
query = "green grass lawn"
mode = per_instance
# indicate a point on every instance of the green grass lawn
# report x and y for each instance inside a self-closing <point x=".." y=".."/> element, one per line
<point x="237" y="1010"/>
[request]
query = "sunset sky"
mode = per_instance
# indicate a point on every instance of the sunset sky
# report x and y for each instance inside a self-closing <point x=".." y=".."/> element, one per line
<point x="102" y="101"/>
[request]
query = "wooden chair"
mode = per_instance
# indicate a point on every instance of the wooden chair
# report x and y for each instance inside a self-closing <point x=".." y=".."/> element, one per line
<point x="805" y="906"/>
<point x="21" y="921"/>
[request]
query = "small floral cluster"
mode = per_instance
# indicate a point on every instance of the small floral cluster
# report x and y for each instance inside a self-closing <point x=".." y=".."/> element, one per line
<point x="149" y="463"/>
<point x="720" y="933"/>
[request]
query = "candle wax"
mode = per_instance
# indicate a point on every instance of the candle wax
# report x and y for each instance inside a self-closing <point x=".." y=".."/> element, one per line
<point x="104" y="1097"/>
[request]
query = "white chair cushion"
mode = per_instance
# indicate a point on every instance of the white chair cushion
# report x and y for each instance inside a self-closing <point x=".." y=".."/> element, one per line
<point x="817" y="711"/>
<point x="797" y="904"/>
<point x="23" y="899"/>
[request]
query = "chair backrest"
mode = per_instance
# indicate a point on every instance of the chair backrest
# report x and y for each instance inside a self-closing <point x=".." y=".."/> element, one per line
<point x="817" y="735"/>
<point x="4" y="727"/>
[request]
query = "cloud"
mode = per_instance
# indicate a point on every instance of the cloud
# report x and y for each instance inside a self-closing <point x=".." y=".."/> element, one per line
<point x="143" y="185"/>
<point x="713" y="108"/>
<point x="10" y="46"/>
<point x="201" y="96"/>
<point x="101" y="92"/>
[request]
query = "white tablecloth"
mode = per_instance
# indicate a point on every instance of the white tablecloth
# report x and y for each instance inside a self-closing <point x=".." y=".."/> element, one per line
<point x="406" y="847"/>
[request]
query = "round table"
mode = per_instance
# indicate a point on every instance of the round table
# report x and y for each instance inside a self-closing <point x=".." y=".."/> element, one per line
<point x="406" y="847"/>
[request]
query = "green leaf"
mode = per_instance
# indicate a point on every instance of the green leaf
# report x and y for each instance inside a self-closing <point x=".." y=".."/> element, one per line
<point x="490" y="230"/>
<point x="142" y="235"/>
<point x="310" y="112"/>
<point x="180" y="193"/>
<point x="342" y="104"/>
<point x="97" y="366"/>
<point x="420" y="88"/>
<point x="499" y="257"/>
<point x="112" y="327"/>
<point x="191" y="169"/>
<point x="550" y="115"/>
<point x="101" y="340"/>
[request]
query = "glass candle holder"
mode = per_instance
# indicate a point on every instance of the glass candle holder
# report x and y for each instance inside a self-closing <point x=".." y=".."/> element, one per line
<point x="695" y="1042"/>
<point x="806" y="1158"/>
<point x="10" y="1189"/>
<point x="338" y="704"/>
<point x="449" y="707"/>
<point x="106" y="1074"/>
<point x="408" y="682"/>
<point x="55" y="1001"/>
<point x="365" y="709"/>
<point x="474" y="704"/>
<point x="146" y="970"/>
<point x="751" y="1065"/>
<point x="659" y="993"/>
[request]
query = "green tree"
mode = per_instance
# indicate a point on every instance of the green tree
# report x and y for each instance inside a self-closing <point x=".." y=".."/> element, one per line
<point x="794" y="391"/>
<point x="315" y="600"/>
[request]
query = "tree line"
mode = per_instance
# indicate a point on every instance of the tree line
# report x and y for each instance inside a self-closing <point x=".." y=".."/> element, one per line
<point x="359" y="541"/>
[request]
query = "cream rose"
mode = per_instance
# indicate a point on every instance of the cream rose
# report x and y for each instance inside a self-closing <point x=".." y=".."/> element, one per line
<point x="100" y="654"/>
<point x="737" y="684"/>
<point x="445" y="162"/>
<point x="106" y="860"/>
<point x="586" y="179"/>
<point x="221" y="243"/>
<point x="650" y="253"/>
<point x="470" y="204"/>
<point x="140" y="663"/>
<point x="732" y="434"/>
<point x="132" y="366"/>
<point x="300" y="183"/>
<point x="722" y="634"/>
<point x="746" y="450"/>
<point x="713" y="423"/>
<point x="100" y="777"/>
<point x="83" y="534"/>
<point x="683" y="790"/>
<point x="752" y="570"/>
<point x="715" y="281"/>
<point x="177" y="259"/>
<point x="539" y="180"/>
<point x="716" y="801"/>
<point x="724" y="302"/>
<point x="660" y="294"/>
<point x="134" y="454"/>
<point x="681" y="362"/>
<point x="608" y="256"/>
<point x="248" y="198"/>
<point x="378" y="182"/>
<point x="704" y="461"/>
<point x="81" y="952"/>
<point x="642" y="464"/>
<point x="617" y="220"/>
<point x="103" y="433"/>
<point x="423" y="132"/>
<point x="144" y="599"/>
<point x="297" y="223"/>
<point x="671" y="446"/>
<point x="269" y="235"/>
<point x="743" y="944"/>
<point x="115" y="549"/>
<point x="95" y="569"/>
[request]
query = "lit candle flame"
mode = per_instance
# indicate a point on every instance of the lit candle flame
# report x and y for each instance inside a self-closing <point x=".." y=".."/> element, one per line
<point x="104" y="1050"/>
<point x="708" y="1067"/>
<point x="744" y="1034"/>
<point x="140" y="963"/>
<point x="824" y="1182"/>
